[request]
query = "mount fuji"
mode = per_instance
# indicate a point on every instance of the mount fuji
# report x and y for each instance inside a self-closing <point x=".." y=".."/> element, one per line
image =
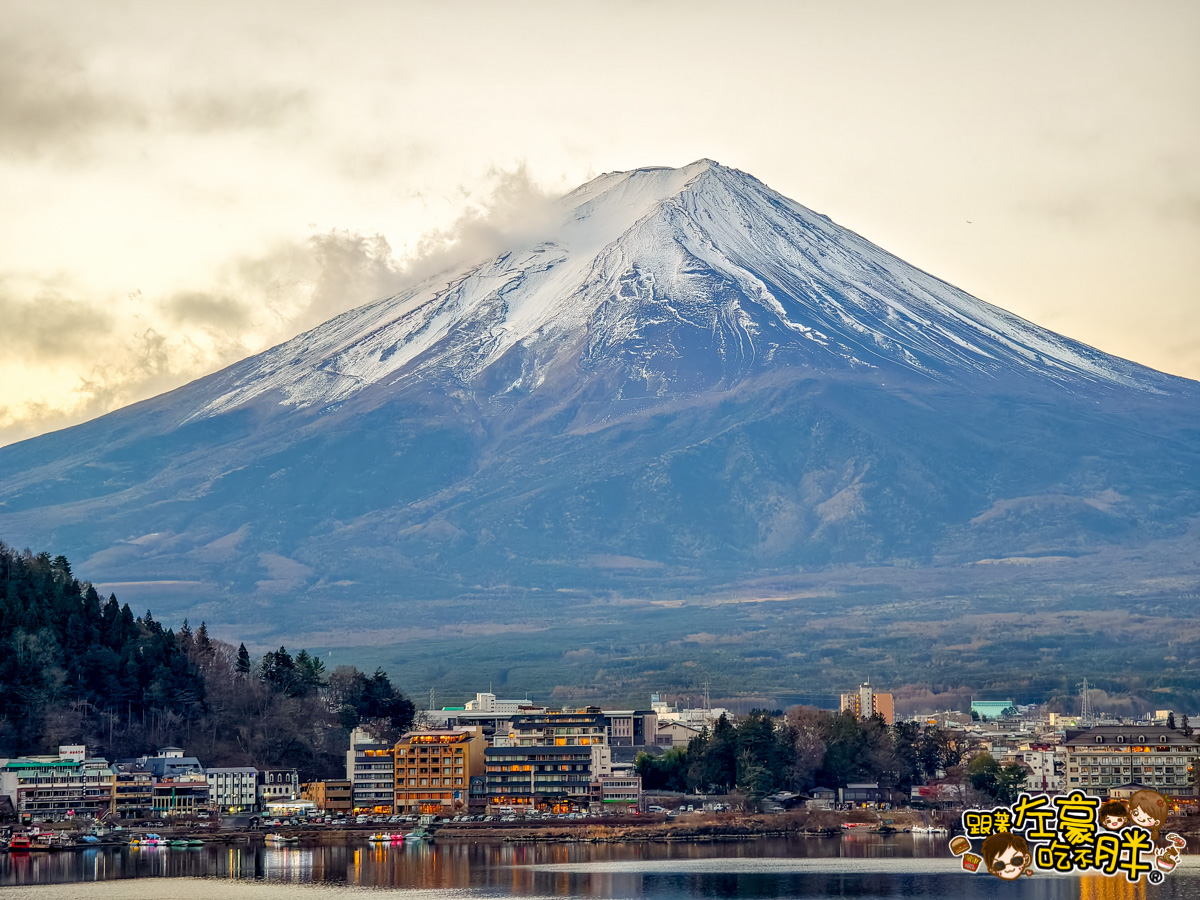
<point x="686" y="387"/>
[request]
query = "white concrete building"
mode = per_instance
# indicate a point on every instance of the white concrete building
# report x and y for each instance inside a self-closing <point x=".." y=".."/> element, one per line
<point x="234" y="789"/>
<point x="487" y="703"/>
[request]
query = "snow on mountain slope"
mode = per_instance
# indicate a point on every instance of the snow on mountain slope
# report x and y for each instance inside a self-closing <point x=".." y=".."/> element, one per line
<point x="673" y="271"/>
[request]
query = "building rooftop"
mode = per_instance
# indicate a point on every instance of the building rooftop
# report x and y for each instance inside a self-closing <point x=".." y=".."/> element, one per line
<point x="28" y="763"/>
<point x="439" y="735"/>
<point x="524" y="751"/>
<point x="1126" y="735"/>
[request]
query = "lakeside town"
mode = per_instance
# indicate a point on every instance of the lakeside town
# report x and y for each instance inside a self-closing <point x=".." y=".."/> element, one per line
<point x="493" y="761"/>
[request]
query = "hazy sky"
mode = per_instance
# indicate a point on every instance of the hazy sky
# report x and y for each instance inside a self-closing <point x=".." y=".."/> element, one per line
<point x="186" y="183"/>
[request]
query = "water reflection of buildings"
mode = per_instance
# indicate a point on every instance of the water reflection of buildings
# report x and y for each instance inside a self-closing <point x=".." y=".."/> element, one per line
<point x="287" y="864"/>
<point x="1101" y="887"/>
<point x="838" y="867"/>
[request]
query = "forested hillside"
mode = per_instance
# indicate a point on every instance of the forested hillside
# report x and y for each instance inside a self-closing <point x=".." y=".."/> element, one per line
<point x="77" y="668"/>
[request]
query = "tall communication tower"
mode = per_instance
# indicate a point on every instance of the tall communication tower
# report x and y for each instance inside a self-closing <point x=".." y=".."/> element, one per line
<point x="1085" y="705"/>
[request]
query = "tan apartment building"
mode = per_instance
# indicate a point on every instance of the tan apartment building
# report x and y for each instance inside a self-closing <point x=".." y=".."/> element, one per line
<point x="867" y="702"/>
<point x="333" y="797"/>
<point x="434" y="768"/>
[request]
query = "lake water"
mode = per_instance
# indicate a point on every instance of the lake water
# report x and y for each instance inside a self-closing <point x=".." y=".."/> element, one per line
<point x="858" y="866"/>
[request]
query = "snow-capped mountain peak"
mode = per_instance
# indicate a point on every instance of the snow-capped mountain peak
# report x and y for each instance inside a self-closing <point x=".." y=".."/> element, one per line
<point x="687" y="278"/>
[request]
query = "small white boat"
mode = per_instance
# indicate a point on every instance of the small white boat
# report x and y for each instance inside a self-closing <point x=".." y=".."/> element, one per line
<point x="276" y="838"/>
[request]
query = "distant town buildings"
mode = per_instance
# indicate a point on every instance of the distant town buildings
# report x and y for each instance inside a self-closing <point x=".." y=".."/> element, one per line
<point x="501" y="756"/>
<point x="697" y="718"/>
<point x="867" y="702"/>
<point x="991" y="709"/>
<point x="487" y="703"/>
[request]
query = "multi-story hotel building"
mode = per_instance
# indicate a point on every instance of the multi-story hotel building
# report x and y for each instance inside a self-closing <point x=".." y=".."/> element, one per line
<point x="371" y="771"/>
<point x="51" y="788"/>
<point x="544" y="776"/>
<point x="569" y="728"/>
<point x="550" y="759"/>
<point x="1115" y="756"/>
<point x="434" y="769"/>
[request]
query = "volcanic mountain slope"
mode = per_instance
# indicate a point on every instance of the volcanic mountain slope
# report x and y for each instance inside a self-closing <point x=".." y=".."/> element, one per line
<point x="686" y="383"/>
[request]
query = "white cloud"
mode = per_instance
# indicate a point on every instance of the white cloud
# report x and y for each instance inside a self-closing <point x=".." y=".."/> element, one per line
<point x="146" y="345"/>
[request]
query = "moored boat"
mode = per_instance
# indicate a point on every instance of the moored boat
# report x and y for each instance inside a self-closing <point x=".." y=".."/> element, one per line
<point x="24" y="843"/>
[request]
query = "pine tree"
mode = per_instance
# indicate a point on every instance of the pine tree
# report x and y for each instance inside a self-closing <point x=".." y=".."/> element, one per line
<point x="203" y="647"/>
<point x="1171" y="721"/>
<point x="62" y="569"/>
<point x="310" y="672"/>
<point x="242" y="666"/>
<point x="1186" y="729"/>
